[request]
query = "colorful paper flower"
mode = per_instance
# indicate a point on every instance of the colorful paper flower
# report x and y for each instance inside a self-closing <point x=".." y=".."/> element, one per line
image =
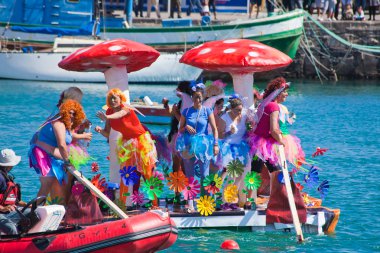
<point x="235" y="168"/>
<point x="99" y="183"/>
<point x="307" y="200"/>
<point x="158" y="175"/>
<point x="77" y="188"/>
<point x="152" y="187"/>
<point x="319" y="151"/>
<point x="177" y="181"/>
<point x="231" y="193"/>
<point x="299" y="186"/>
<point x="137" y="198"/>
<point x="252" y="180"/>
<point x="129" y="175"/>
<point x="206" y="205"/>
<point x="311" y="179"/>
<point x="192" y="189"/>
<point x="212" y="183"/>
<point x="94" y="167"/>
<point x="56" y="201"/>
<point x="323" y="188"/>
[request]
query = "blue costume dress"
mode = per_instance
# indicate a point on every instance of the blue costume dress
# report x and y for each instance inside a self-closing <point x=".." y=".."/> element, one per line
<point x="196" y="147"/>
<point x="44" y="163"/>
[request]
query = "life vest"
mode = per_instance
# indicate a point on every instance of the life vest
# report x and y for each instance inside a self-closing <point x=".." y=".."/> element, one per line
<point x="11" y="195"/>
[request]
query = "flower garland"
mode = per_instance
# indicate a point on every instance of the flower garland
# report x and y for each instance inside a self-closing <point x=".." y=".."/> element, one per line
<point x="129" y="175"/>
<point x="235" y="168"/>
<point x="212" y="183"/>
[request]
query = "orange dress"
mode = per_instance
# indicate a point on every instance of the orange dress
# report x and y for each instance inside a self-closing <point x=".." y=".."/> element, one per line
<point x="135" y="147"/>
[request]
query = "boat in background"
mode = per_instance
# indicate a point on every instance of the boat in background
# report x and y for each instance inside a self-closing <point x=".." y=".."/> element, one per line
<point x="42" y="65"/>
<point x="39" y="27"/>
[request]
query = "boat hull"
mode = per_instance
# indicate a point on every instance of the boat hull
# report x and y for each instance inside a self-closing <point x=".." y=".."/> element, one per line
<point x="44" y="67"/>
<point x="281" y="31"/>
<point x="148" y="232"/>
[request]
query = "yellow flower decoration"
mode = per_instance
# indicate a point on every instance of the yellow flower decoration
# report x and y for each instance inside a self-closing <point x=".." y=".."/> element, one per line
<point x="206" y="205"/>
<point x="231" y="193"/>
<point x="177" y="181"/>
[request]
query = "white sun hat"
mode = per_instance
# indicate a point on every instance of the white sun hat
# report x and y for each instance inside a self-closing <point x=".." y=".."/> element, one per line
<point x="9" y="158"/>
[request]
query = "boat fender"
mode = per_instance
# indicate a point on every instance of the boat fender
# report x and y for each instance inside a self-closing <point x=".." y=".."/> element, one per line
<point x="147" y="101"/>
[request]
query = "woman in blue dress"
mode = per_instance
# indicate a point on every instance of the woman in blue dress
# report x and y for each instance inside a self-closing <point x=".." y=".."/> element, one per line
<point x="194" y="143"/>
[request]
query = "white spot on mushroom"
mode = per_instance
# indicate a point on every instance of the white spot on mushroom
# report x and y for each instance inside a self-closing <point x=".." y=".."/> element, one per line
<point x="230" y="41"/>
<point x="229" y="50"/>
<point x="114" y="48"/>
<point x="204" y="51"/>
<point x="257" y="46"/>
<point x="198" y="46"/>
<point x="105" y="63"/>
<point x="86" y="63"/>
<point x="253" y="54"/>
<point x="123" y="58"/>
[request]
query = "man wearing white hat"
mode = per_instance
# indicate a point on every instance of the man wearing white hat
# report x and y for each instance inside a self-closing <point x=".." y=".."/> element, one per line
<point x="9" y="193"/>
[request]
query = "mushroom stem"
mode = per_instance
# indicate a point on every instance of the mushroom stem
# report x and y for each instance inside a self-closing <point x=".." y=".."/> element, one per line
<point x="243" y="85"/>
<point x="117" y="77"/>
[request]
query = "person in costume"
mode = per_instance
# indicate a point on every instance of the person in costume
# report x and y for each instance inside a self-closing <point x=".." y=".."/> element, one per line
<point x="216" y="163"/>
<point x="234" y="147"/>
<point x="55" y="135"/>
<point x="194" y="143"/>
<point x="135" y="146"/>
<point x="9" y="193"/>
<point x="266" y="135"/>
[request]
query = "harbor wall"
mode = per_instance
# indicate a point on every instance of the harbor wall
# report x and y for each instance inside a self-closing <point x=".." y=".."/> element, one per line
<point x="336" y="61"/>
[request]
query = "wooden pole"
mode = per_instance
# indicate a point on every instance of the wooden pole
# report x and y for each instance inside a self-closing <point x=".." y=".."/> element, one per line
<point x="97" y="192"/>
<point x="292" y="204"/>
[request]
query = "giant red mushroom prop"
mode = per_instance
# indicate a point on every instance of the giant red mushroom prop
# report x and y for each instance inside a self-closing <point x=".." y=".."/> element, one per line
<point x="115" y="58"/>
<point x="240" y="57"/>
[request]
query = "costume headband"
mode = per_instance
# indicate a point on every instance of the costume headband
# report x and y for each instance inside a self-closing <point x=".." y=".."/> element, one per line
<point x="198" y="86"/>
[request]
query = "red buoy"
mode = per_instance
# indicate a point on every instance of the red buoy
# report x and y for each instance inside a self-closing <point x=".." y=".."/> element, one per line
<point x="229" y="244"/>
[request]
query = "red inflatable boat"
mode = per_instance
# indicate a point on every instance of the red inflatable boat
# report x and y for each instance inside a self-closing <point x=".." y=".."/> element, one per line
<point x="147" y="232"/>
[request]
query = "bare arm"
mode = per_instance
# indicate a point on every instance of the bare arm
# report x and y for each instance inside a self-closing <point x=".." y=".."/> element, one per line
<point x="117" y="115"/>
<point x="182" y="123"/>
<point x="274" y="128"/>
<point x="215" y="133"/>
<point x="104" y="131"/>
<point x="60" y="135"/>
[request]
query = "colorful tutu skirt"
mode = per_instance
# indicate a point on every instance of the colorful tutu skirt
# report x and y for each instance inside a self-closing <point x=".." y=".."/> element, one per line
<point x="293" y="150"/>
<point x="198" y="146"/>
<point x="45" y="164"/>
<point x="164" y="154"/>
<point x="140" y="152"/>
<point x="230" y="152"/>
<point x="78" y="155"/>
<point x="264" y="148"/>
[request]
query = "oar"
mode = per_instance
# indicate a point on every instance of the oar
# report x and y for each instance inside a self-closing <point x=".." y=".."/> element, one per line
<point x="97" y="192"/>
<point x="289" y="191"/>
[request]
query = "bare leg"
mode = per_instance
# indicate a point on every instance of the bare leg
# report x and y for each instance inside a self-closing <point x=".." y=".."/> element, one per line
<point x="58" y="191"/>
<point x="45" y="187"/>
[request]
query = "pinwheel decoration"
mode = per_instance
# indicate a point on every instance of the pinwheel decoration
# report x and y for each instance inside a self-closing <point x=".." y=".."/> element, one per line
<point x="94" y="167"/>
<point x="252" y="180"/>
<point x="231" y="193"/>
<point x="311" y="178"/>
<point x="192" y="189"/>
<point x="129" y="175"/>
<point x="319" y="151"/>
<point x="152" y="187"/>
<point x="212" y="183"/>
<point x="323" y="188"/>
<point x="137" y="198"/>
<point x="77" y="188"/>
<point x="235" y="168"/>
<point x="99" y="183"/>
<point x="55" y="201"/>
<point x="177" y="181"/>
<point x="206" y="205"/>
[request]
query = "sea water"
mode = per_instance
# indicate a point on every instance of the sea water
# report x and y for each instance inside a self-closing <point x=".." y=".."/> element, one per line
<point x="343" y="117"/>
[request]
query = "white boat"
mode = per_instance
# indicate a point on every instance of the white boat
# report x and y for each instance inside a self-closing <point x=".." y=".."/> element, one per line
<point x="43" y="65"/>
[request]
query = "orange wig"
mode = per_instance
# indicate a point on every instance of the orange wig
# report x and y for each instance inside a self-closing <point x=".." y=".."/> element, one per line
<point x="64" y="111"/>
<point x="115" y="92"/>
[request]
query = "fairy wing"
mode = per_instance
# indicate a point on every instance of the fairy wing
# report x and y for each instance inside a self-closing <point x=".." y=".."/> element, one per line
<point x="210" y="102"/>
<point x="186" y="100"/>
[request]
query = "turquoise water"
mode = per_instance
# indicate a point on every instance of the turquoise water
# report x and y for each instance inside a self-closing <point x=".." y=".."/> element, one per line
<point x="343" y="118"/>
